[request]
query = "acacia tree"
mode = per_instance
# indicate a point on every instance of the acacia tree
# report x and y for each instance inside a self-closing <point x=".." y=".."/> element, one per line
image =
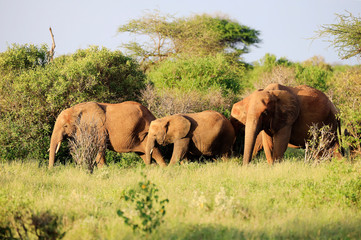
<point x="197" y="35"/>
<point x="345" y="35"/>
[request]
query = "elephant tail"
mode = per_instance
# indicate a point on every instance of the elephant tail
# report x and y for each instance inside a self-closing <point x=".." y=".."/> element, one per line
<point x="341" y="149"/>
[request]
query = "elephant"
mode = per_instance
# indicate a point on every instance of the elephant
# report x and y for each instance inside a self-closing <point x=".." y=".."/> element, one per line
<point x="206" y="133"/>
<point x="282" y="116"/>
<point x="125" y="124"/>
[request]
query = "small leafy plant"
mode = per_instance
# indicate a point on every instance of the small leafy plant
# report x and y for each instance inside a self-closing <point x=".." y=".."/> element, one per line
<point x="144" y="211"/>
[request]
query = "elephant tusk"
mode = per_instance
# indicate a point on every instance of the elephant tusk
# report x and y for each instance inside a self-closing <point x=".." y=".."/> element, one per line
<point x="57" y="147"/>
<point x="151" y="151"/>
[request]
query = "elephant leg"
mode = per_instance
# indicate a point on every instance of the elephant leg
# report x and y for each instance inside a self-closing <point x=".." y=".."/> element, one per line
<point x="179" y="150"/>
<point x="267" y="142"/>
<point x="100" y="159"/>
<point x="280" y="142"/>
<point x="158" y="157"/>
<point x="142" y="156"/>
<point x="257" y="145"/>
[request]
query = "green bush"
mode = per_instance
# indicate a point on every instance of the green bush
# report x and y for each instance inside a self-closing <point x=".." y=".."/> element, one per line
<point x="20" y="220"/>
<point x="22" y="57"/>
<point x="313" y="76"/>
<point x="33" y="93"/>
<point x="172" y="101"/>
<point x="347" y="97"/>
<point x="195" y="84"/>
<point x="144" y="211"/>
<point x="123" y="160"/>
<point x="199" y="73"/>
<point x="313" y="72"/>
<point x="261" y="73"/>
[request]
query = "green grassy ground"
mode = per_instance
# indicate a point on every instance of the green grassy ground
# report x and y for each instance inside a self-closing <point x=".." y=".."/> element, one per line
<point x="221" y="200"/>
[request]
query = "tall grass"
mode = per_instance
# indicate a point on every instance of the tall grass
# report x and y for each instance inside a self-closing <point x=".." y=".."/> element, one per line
<point x="220" y="200"/>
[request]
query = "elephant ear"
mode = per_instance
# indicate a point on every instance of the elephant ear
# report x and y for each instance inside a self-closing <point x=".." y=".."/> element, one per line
<point x="240" y="110"/>
<point x="178" y="127"/>
<point x="287" y="109"/>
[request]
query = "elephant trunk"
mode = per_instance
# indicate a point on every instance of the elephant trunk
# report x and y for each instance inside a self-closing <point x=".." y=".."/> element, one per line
<point x="55" y="142"/>
<point x="253" y="127"/>
<point x="149" y="149"/>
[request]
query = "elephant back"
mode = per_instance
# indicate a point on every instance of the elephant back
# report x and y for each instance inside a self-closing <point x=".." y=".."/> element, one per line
<point x="213" y="133"/>
<point x="90" y="113"/>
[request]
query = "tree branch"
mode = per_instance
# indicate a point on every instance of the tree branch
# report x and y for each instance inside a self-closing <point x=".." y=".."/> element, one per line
<point x="51" y="52"/>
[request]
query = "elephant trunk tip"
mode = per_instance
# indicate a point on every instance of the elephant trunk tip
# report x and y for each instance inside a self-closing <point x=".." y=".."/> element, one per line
<point x="53" y="150"/>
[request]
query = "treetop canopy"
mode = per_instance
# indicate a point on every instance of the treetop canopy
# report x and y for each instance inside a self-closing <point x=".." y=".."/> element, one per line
<point x="197" y="35"/>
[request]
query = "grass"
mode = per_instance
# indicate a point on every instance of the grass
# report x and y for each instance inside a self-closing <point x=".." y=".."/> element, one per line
<point x="220" y="200"/>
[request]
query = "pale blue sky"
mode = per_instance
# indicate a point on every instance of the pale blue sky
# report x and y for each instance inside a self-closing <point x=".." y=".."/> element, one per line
<point x="285" y="25"/>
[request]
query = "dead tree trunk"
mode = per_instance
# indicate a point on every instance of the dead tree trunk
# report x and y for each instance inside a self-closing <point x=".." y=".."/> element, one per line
<point x="51" y="52"/>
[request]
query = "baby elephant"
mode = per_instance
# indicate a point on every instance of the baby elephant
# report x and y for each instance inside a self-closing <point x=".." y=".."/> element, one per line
<point x="206" y="133"/>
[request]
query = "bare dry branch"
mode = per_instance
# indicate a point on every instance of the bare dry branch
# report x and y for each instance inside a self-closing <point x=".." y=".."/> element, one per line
<point x="52" y="50"/>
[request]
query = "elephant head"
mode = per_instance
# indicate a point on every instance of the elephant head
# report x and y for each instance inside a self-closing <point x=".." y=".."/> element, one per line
<point x="68" y="120"/>
<point x="268" y="110"/>
<point x="165" y="131"/>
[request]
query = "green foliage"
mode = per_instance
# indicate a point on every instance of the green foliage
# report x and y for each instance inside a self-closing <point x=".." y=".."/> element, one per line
<point x="344" y="35"/>
<point x="25" y="224"/>
<point x="33" y="95"/>
<point x="123" y="160"/>
<point x="233" y="34"/>
<point x="149" y="209"/>
<point x="20" y="220"/>
<point x="313" y="76"/>
<point x="268" y="70"/>
<point x="22" y="57"/>
<point x="167" y="101"/>
<point x="313" y="72"/>
<point x="269" y="61"/>
<point x="199" y="73"/>
<point x="198" y="35"/>
<point x="204" y="35"/>
<point x="194" y="84"/>
<point x="347" y="97"/>
<point x="352" y="192"/>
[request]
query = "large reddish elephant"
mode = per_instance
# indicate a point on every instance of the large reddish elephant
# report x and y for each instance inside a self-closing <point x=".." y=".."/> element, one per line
<point x="283" y="115"/>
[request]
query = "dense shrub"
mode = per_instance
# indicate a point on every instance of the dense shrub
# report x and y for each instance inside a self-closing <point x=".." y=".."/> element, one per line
<point x="199" y="73"/>
<point x="313" y="76"/>
<point x="313" y="72"/>
<point x="347" y="96"/>
<point x="260" y="73"/>
<point x="173" y="101"/>
<point x="279" y="74"/>
<point x="33" y="93"/>
<point x="21" y="57"/>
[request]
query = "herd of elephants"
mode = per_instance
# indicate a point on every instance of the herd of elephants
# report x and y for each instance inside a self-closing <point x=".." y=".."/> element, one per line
<point x="272" y="118"/>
